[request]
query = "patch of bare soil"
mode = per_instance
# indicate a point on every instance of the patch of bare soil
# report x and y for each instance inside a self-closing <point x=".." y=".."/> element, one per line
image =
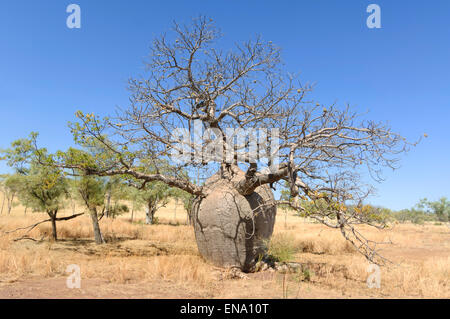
<point x="56" y="288"/>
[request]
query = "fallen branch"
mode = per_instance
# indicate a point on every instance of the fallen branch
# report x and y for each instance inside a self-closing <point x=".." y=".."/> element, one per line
<point x="28" y="238"/>
<point x="31" y="227"/>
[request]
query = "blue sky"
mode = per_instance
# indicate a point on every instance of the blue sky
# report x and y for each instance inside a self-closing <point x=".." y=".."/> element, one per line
<point x="400" y="73"/>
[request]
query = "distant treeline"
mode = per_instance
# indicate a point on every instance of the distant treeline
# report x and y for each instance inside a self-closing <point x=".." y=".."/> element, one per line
<point x="424" y="211"/>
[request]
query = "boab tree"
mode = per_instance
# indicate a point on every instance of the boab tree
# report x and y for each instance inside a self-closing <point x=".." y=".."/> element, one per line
<point x="241" y="112"/>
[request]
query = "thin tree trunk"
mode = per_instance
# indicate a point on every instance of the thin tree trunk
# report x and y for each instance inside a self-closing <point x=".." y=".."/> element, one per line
<point x="25" y="211"/>
<point x="53" y="220"/>
<point x="132" y="213"/>
<point x="148" y="219"/>
<point x="108" y="203"/>
<point x="285" y="218"/>
<point x="10" y="202"/>
<point x="149" y="214"/>
<point x="96" y="226"/>
<point x="3" y="203"/>
<point x="175" y="212"/>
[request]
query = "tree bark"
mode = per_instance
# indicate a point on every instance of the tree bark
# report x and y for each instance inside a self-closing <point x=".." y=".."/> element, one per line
<point x="149" y="214"/>
<point x="3" y="204"/>
<point x="53" y="221"/>
<point x="232" y="230"/>
<point x="285" y="218"/>
<point x="175" y="212"/>
<point x="96" y="227"/>
<point x="10" y="203"/>
<point x="108" y="203"/>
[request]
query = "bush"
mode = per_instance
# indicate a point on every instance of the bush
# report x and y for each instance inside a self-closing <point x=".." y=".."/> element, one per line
<point x="413" y="215"/>
<point x="282" y="248"/>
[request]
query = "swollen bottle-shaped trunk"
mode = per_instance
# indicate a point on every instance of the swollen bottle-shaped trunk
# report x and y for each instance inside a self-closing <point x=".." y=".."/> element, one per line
<point x="232" y="230"/>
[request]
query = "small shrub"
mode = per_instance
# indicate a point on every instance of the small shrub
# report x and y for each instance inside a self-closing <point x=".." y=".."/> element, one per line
<point x="282" y="248"/>
<point x="307" y="274"/>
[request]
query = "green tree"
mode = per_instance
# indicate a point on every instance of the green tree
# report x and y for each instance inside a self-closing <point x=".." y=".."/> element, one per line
<point x="11" y="186"/>
<point x="92" y="193"/>
<point x="133" y="195"/>
<point x="440" y="208"/>
<point x="114" y="191"/>
<point x="42" y="186"/>
<point x="46" y="189"/>
<point x="155" y="195"/>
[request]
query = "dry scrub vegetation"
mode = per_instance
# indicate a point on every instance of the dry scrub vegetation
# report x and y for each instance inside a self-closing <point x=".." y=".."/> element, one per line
<point x="164" y="257"/>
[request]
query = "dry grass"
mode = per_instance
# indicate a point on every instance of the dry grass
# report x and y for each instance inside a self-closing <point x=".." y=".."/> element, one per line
<point x="137" y="253"/>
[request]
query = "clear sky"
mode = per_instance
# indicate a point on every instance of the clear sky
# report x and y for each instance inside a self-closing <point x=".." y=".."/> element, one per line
<point x="400" y="73"/>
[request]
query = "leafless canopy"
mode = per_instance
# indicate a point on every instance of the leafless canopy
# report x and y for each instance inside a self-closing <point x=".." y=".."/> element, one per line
<point x="189" y="78"/>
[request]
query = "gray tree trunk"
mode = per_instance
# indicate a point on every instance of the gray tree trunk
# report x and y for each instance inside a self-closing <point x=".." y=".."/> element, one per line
<point x="232" y="230"/>
<point x="96" y="227"/>
<point x="285" y="218"/>
<point x="132" y="214"/>
<point x="149" y="214"/>
<point x="108" y="203"/>
<point x="3" y="204"/>
<point x="53" y="220"/>
<point x="175" y="212"/>
<point x="10" y="203"/>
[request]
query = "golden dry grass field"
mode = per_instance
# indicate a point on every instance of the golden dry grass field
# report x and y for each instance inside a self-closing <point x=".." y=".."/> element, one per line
<point x="162" y="261"/>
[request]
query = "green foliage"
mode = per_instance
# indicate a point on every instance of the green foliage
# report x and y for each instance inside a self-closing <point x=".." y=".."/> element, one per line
<point x="307" y="274"/>
<point x="412" y="215"/>
<point x="12" y="186"/>
<point x="91" y="190"/>
<point x="285" y="195"/>
<point x="424" y="211"/>
<point x="39" y="184"/>
<point x="155" y="194"/>
<point x="186" y="198"/>
<point x="44" y="189"/>
<point x="118" y="209"/>
<point x="281" y="248"/>
<point x="13" y="183"/>
<point x="440" y="208"/>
